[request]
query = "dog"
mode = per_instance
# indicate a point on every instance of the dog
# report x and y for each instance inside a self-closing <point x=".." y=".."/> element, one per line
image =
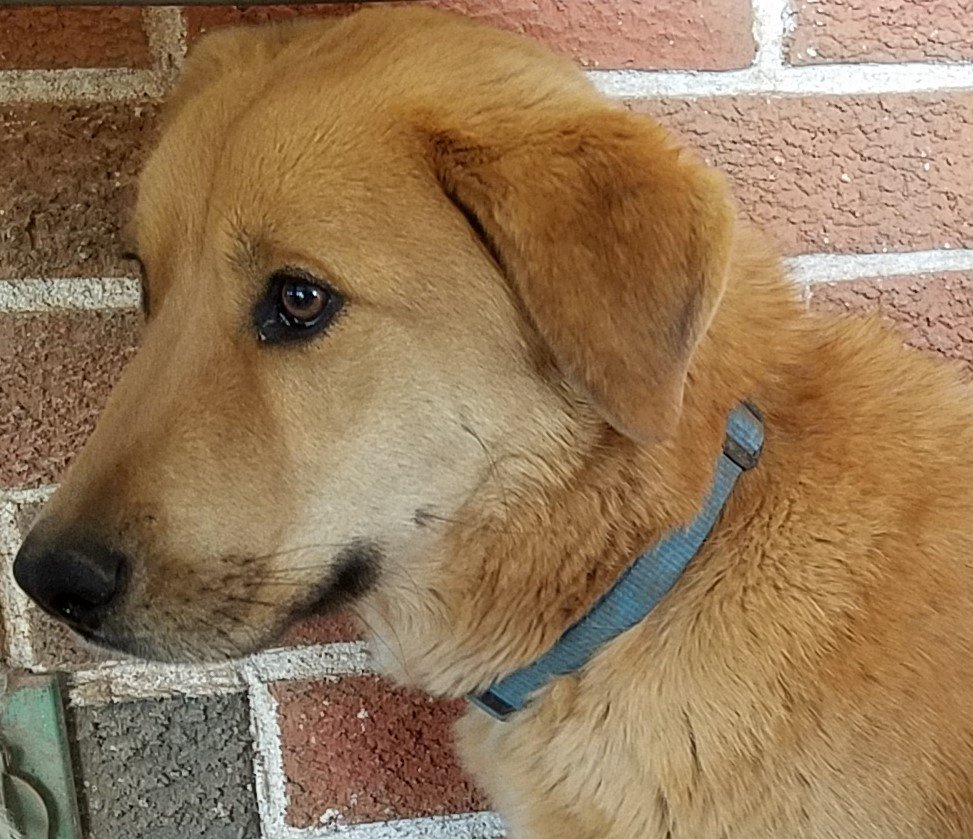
<point x="436" y="332"/>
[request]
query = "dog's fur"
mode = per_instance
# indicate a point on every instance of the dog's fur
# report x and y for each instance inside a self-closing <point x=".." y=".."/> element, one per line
<point x="550" y="312"/>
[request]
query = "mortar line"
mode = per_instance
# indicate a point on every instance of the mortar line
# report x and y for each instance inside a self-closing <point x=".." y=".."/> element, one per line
<point x="763" y="78"/>
<point x="132" y="680"/>
<point x="270" y="782"/>
<point x="78" y="84"/>
<point x="839" y="267"/>
<point x="16" y="623"/>
<point x="114" y="681"/>
<point x="769" y="31"/>
<point x="318" y="661"/>
<point x="166" y="31"/>
<point x="484" y="825"/>
<point x="27" y="495"/>
<point x="766" y="79"/>
<point x="34" y="294"/>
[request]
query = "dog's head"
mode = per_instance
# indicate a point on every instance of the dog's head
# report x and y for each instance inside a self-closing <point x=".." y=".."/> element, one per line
<point x="384" y="258"/>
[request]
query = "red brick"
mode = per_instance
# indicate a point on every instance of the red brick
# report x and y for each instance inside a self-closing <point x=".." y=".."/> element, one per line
<point x="850" y="173"/>
<point x="934" y="312"/>
<point x="356" y="751"/>
<point x="322" y="630"/>
<point x="656" y="34"/>
<point x="56" y="371"/>
<point x="67" y="175"/>
<point x="827" y="31"/>
<point x="56" y="38"/>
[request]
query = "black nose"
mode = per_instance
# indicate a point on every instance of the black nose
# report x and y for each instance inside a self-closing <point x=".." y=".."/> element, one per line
<point x="76" y="580"/>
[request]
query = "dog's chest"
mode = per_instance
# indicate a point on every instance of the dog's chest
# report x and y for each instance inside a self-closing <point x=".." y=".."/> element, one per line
<point x="586" y="777"/>
<point x="646" y="775"/>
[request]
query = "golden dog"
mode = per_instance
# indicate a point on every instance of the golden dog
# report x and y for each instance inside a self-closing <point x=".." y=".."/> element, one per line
<point x="434" y="329"/>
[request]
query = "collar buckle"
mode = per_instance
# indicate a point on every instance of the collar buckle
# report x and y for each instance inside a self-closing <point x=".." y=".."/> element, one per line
<point x="744" y="436"/>
<point x="744" y="458"/>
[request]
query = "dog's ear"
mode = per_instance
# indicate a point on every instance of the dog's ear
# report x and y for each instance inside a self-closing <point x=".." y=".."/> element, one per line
<point x="232" y="49"/>
<point x="615" y="241"/>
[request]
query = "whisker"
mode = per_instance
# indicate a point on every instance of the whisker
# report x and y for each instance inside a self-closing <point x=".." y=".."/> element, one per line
<point x="250" y="601"/>
<point x="504" y="501"/>
<point x="486" y="526"/>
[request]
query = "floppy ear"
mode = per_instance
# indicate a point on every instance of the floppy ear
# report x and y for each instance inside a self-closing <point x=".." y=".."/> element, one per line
<point x="616" y="243"/>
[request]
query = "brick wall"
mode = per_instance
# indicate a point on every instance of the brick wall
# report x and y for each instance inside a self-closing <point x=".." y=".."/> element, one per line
<point x="847" y="128"/>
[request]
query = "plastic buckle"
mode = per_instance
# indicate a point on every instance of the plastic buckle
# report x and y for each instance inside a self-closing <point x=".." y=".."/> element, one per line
<point x="742" y="456"/>
<point x="496" y="707"/>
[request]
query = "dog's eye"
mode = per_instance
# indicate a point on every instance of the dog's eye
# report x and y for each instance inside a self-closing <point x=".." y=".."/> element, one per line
<point x="296" y="306"/>
<point x="302" y="303"/>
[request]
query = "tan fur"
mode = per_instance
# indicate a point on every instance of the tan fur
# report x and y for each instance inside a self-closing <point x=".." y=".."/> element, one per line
<point x="512" y="416"/>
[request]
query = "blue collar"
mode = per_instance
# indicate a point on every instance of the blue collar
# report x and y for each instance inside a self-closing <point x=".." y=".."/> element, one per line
<point x="641" y="586"/>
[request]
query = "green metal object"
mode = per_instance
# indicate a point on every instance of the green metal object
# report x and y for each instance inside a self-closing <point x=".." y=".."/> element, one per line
<point x="37" y="780"/>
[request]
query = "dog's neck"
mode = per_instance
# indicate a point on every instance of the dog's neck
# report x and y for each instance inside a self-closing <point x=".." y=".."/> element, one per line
<point x="535" y="561"/>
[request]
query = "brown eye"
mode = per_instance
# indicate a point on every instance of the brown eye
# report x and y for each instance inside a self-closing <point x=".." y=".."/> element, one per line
<point x="302" y="302"/>
<point x="295" y="307"/>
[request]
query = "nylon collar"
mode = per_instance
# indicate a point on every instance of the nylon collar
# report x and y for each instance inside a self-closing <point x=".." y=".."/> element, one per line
<point x="641" y="586"/>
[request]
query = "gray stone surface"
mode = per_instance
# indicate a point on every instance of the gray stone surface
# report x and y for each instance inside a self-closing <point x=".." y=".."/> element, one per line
<point x="166" y="769"/>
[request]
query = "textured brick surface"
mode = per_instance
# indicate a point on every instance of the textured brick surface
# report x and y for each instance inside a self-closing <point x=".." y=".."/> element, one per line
<point x="891" y="30"/>
<point x="54" y="646"/>
<point x="862" y="173"/>
<point x="171" y="769"/>
<point x="687" y="34"/>
<point x="323" y="630"/>
<point x="57" y="38"/>
<point x="55" y="374"/>
<point x="356" y="751"/>
<point x="934" y="313"/>
<point x="66" y="177"/>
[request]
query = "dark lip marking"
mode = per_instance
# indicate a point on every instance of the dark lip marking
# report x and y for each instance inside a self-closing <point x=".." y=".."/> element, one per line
<point x="355" y="573"/>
